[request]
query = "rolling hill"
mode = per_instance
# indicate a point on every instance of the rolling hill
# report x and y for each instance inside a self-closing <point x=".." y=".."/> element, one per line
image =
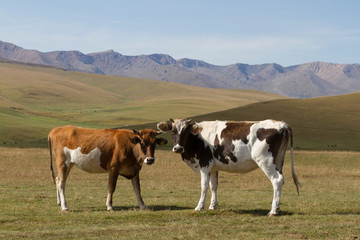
<point x="35" y="98"/>
<point x="300" y="81"/>
<point x="325" y="123"/>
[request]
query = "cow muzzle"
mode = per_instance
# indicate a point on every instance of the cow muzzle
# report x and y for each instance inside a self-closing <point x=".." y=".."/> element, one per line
<point x="149" y="160"/>
<point x="178" y="149"/>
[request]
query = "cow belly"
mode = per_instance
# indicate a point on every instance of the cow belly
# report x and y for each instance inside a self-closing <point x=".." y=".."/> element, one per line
<point x="243" y="166"/>
<point x="244" y="162"/>
<point x="88" y="162"/>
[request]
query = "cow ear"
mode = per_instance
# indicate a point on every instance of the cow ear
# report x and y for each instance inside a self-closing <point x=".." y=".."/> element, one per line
<point x="164" y="126"/>
<point x="161" y="141"/>
<point x="136" y="131"/>
<point x="135" y="140"/>
<point x="195" y="129"/>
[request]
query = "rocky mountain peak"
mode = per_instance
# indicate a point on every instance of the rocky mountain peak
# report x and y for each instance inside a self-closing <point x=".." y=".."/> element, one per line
<point x="305" y="80"/>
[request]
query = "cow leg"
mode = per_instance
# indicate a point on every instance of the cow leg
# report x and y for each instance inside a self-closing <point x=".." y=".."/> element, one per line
<point x="113" y="176"/>
<point x="136" y="186"/>
<point x="58" y="193"/>
<point x="205" y="176"/>
<point x="213" y="189"/>
<point x="277" y="181"/>
<point x="60" y="186"/>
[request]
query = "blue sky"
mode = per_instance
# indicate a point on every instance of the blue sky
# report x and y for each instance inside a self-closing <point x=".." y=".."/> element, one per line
<point x="287" y="32"/>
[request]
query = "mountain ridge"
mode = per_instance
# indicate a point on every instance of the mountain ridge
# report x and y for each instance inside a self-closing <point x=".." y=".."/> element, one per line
<point x="306" y="80"/>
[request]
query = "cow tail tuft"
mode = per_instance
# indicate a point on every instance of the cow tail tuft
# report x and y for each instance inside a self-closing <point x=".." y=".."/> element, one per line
<point x="51" y="165"/>
<point x="295" y="178"/>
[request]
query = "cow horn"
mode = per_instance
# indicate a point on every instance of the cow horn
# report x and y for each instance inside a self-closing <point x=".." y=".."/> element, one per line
<point x="136" y="131"/>
<point x="172" y="120"/>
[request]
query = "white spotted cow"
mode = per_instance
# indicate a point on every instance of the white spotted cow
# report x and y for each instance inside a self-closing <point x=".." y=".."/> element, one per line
<point x="113" y="151"/>
<point x="211" y="146"/>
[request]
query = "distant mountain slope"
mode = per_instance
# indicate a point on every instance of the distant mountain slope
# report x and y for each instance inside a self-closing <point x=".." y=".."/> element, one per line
<point x="300" y="81"/>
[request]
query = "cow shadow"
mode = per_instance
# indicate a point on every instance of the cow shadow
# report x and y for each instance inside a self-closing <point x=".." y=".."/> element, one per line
<point x="260" y="212"/>
<point x="103" y="209"/>
<point x="154" y="208"/>
<point x="159" y="208"/>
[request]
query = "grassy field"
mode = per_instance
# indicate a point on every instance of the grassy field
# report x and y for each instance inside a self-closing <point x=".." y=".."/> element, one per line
<point x="328" y="206"/>
<point x="34" y="99"/>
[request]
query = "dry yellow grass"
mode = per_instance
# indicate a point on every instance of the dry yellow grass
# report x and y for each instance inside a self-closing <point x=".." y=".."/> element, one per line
<point x="34" y="99"/>
<point x="328" y="206"/>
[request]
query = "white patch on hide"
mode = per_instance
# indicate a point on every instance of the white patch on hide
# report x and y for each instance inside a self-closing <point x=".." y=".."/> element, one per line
<point x="211" y="129"/>
<point x="88" y="162"/>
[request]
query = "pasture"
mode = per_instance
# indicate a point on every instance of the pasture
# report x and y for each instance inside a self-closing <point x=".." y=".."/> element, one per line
<point x="328" y="206"/>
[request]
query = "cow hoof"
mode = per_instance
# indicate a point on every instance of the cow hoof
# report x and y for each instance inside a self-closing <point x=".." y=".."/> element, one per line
<point x="270" y="214"/>
<point x="143" y="208"/>
<point x="213" y="207"/>
<point x="199" y="208"/>
<point x="65" y="210"/>
<point x="111" y="209"/>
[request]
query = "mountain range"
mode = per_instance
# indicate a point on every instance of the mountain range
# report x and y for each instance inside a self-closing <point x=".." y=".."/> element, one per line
<point x="307" y="80"/>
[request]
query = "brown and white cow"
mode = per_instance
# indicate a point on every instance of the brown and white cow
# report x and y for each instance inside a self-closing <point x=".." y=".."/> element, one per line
<point x="211" y="146"/>
<point x="114" y="151"/>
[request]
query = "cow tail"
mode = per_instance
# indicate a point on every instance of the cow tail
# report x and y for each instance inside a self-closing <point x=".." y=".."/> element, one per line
<point x="295" y="178"/>
<point x="51" y="165"/>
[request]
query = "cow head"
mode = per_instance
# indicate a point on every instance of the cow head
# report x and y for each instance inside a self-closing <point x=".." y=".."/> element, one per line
<point x="180" y="129"/>
<point x="147" y="141"/>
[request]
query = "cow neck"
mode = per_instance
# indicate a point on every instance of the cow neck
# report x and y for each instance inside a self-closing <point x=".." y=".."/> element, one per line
<point x="136" y="151"/>
<point x="197" y="151"/>
<point x="192" y="146"/>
